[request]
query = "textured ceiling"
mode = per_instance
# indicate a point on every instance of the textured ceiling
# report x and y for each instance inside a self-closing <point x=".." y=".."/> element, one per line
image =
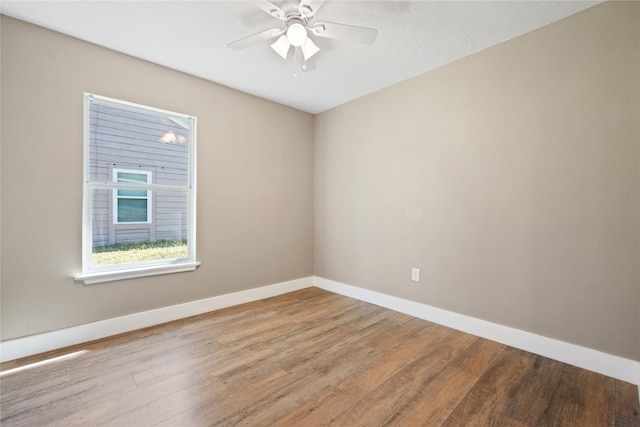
<point x="192" y="36"/>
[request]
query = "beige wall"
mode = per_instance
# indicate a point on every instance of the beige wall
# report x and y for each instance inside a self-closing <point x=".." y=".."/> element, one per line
<point x="255" y="183"/>
<point x="511" y="178"/>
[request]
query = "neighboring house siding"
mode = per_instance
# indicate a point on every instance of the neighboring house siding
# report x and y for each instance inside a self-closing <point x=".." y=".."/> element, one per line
<point x="130" y="140"/>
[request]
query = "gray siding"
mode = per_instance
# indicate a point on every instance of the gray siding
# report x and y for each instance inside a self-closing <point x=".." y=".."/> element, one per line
<point x="123" y="139"/>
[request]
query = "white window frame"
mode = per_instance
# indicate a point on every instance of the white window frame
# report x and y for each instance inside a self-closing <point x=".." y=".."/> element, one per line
<point x="97" y="274"/>
<point x="116" y="197"/>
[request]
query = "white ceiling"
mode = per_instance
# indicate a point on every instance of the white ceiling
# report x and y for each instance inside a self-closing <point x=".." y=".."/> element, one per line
<point x="192" y="36"/>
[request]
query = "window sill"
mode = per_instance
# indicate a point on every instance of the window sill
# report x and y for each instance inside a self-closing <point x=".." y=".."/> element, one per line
<point x="131" y="273"/>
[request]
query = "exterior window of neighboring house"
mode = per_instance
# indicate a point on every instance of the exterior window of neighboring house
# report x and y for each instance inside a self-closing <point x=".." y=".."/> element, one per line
<point x="139" y="191"/>
<point x="131" y="206"/>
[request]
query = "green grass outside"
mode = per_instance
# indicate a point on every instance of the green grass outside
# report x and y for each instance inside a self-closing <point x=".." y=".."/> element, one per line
<point x="121" y="253"/>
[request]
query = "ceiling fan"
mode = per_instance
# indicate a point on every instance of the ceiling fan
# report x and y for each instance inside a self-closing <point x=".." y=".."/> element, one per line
<point x="297" y="29"/>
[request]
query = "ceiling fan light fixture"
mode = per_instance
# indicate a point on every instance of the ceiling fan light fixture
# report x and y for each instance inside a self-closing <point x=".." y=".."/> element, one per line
<point x="309" y="48"/>
<point x="298" y="29"/>
<point x="297" y="34"/>
<point x="281" y="46"/>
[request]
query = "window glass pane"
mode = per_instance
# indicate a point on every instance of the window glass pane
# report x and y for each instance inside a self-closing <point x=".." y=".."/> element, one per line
<point x="132" y="193"/>
<point x="101" y="217"/>
<point x="132" y="210"/>
<point x="165" y="238"/>
<point x="126" y="138"/>
<point x="171" y="212"/>
<point x="132" y="177"/>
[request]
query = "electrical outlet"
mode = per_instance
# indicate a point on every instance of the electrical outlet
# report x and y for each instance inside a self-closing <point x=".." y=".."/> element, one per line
<point x="415" y="274"/>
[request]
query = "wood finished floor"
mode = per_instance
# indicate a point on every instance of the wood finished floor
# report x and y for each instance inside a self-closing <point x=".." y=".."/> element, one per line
<point x="307" y="358"/>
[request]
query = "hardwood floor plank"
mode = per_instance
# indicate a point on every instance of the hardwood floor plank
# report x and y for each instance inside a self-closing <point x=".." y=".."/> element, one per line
<point x="307" y="387"/>
<point x="627" y="409"/>
<point x="373" y="373"/>
<point x="32" y="381"/>
<point x="136" y="407"/>
<point x="435" y="402"/>
<point x="306" y="358"/>
<point x="215" y="409"/>
<point x="489" y="401"/>
<point x="479" y="356"/>
<point x="532" y="396"/>
<point x="461" y="340"/>
<point x="55" y="403"/>
<point x="398" y="335"/>
<point x="387" y="399"/>
<point x="589" y="400"/>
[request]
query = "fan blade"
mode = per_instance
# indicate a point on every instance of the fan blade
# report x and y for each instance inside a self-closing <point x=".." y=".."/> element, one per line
<point x="309" y="48"/>
<point x="308" y="8"/>
<point x="281" y="46"/>
<point x="255" y="38"/>
<point x="271" y="9"/>
<point x="344" y="32"/>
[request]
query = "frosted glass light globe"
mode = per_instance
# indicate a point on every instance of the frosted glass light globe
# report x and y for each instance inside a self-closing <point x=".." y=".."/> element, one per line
<point x="296" y="34"/>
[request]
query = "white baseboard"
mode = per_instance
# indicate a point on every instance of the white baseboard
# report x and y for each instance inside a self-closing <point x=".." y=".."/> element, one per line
<point x="39" y="343"/>
<point x="593" y="360"/>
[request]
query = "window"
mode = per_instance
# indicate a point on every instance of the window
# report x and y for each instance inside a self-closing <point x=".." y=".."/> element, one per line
<point x="139" y="191"/>
<point x="131" y="206"/>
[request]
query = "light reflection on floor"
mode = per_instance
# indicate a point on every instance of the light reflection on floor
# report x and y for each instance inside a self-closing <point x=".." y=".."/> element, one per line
<point x="44" y="362"/>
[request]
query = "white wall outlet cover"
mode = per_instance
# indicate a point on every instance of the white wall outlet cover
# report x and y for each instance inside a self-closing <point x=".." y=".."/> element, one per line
<point x="415" y="274"/>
